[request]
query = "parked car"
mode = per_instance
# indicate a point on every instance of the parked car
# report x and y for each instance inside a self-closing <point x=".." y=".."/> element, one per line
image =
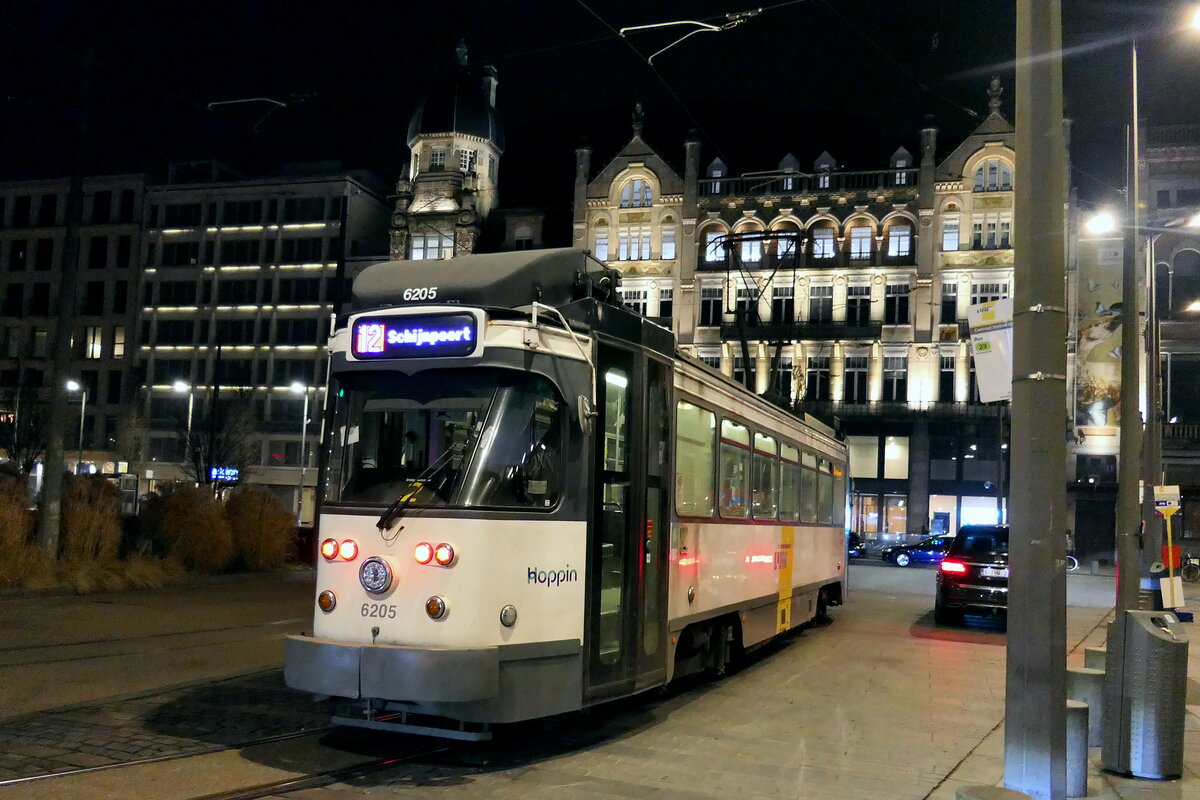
<point x="855" y="547"/>
<point x="974" y="574"/>
<point x="929" y="550"/>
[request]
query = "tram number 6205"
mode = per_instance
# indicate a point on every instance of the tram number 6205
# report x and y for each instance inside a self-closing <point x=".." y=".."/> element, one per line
<point x="378" y="610"/>
<point x="421" y="293"/>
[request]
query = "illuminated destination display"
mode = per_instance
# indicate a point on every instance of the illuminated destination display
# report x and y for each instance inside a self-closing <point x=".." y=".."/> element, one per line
<point x="429" y="336"/>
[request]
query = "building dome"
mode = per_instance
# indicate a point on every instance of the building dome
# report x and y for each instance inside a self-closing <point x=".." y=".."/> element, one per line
<point x="461" y="103"/>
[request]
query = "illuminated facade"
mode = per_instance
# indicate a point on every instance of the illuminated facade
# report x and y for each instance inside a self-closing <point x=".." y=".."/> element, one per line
<point x="839" y="292"/>
<point x="241" y="279"/>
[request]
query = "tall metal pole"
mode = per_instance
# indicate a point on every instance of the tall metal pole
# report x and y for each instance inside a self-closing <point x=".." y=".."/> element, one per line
<point x="1035" y="690"/>
<point x="303" y="460"/>
<point x="1152" y="471"/>
<point x="50" y="504"/>
<point x="1128" y="517"/>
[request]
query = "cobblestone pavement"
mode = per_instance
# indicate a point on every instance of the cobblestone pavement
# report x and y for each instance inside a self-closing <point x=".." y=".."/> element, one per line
<point x="182" y="721"/>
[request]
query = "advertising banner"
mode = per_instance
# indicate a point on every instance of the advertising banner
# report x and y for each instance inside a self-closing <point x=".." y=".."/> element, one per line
<point x="991" y="347"/>
<point x="1098" y="346"/>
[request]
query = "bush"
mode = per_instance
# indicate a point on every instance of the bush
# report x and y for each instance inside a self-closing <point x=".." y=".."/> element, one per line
<point x="23" y="563"/>
<point x="191" y="523"/>
<point x="264" y="530"/>
<point x="91" y="520"/>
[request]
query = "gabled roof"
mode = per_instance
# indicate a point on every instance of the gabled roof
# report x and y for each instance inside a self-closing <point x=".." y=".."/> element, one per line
<point x="994" y="128"/>
<point x="636" y="150"/>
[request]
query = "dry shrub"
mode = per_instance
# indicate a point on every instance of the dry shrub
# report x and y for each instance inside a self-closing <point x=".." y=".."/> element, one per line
<point x="193" y="527"/>
<point x="148" y="572"/>
<point x="23" y="561"/>
<point x="264" y="530"/>
<point x="89" y="577"/>
<point x="91" y="519"/>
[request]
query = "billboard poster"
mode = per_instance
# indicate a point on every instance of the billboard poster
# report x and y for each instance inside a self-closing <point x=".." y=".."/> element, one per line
<point x="991" y="347"/>
<point x="1098" y="342"/>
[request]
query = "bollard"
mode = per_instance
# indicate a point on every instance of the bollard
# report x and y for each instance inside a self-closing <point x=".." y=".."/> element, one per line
<point x="1093" y="657"/>
<point x="1077" y="748"/>
<point x="989" y="793"/>
<point x="1087" y="686"/>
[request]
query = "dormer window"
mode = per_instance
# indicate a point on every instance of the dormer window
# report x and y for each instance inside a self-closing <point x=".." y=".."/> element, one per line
<point x="823" y="180"/>
<point x="901" y="175"/>
<point x="993" y="176"/>
<point x="636" y="194"/>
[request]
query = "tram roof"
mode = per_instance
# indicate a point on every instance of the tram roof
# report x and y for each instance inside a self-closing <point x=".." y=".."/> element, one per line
<point x="494" y="280"/>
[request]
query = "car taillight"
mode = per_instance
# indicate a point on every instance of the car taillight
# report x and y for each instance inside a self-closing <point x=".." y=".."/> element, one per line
<point x="423" y="553"/>
<point x="348" y="550"/>
<point x="444" y="554"/>
<point x="956" y="567"/>
<point x="329" y="549"/>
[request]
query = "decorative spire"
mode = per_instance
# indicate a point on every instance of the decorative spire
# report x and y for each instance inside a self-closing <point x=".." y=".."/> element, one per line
<point x="460" y="53"/>
<point x="639" y="119"/>
<point x="994" y="91"/>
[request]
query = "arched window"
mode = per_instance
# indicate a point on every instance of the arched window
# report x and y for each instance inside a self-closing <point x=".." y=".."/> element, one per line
<point x="786" y="243"/>
<point x="751" y="247"/>
<point x="636" y="194"/>
<point x="714" y="245"/>
<point x="824" y="241"/>
<point x="993" y="175"/>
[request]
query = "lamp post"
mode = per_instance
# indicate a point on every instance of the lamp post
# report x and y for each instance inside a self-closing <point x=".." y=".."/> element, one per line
<point x="300" y="388"/>
<point x="181" y="387"/>
<point x="74" y="386"/>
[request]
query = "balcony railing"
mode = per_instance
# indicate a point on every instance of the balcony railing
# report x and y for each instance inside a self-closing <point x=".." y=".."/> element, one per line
<point x="785" y="331"/>
<point x="841" y="260"/>
<point x="796" y="183"/>
<point x="896" y="410"/>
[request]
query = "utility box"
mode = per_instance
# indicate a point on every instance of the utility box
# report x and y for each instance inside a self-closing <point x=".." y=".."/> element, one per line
<point x="1144" y="695"/>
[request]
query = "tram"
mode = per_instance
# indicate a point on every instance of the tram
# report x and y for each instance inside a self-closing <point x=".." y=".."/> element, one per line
<point x="534" y="502"/>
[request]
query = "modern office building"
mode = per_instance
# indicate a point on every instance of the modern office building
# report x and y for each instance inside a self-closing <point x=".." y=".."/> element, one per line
<point x="33" y="229"/>
<point x="241" y="278"/>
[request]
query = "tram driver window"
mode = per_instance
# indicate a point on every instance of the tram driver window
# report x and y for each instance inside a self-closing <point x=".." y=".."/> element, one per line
<point x="766" y="477"/>
<point x="825" y="493"/>
<point x="735" y="470"/>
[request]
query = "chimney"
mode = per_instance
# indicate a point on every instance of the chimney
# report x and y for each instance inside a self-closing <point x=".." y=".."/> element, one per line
<point x="489" y="85"/>
<point x="583" y="167"/>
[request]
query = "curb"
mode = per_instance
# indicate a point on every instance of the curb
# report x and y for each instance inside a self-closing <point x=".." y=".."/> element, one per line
<point x="188" y="581"/>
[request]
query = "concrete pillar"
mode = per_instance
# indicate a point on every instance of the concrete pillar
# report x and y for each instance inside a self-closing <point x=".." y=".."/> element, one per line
<point x="918" y="478"/>
<point x="1093" y="657"/>
<point x="1087" y="686"/>
<point x="1077" y="748"/>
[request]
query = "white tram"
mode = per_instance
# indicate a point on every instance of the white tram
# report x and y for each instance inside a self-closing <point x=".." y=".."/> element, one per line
<point x="534" y="503"/>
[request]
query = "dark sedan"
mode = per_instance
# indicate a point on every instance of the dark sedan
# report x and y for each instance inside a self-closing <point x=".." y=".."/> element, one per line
<point x="973" y="578"/>
<point x="930" y="550"/>
<point x="855" y="547"/>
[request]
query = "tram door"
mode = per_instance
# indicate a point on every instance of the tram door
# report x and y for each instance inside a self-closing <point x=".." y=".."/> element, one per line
<point x="627" y="593"/>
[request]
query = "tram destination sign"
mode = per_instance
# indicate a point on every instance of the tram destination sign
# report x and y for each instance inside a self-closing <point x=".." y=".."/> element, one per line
<point x="415" y="336"/>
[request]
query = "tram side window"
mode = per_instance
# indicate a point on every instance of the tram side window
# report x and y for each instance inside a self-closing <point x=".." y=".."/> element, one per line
<point x="808" y="488"/>
<point x="735" y="470"/>
<point x="825" y="493"/>
<point x="766" y="477"/>
<point x="839" y="494"/>
<point x="789" y="483"/>
<point x="695" y="434"/>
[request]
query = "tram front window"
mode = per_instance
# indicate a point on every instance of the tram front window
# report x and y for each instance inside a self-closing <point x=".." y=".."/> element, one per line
<point x="461" y="438"/>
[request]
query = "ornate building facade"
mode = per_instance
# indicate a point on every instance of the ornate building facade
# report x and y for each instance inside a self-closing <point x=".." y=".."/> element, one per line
<point x="842" y="293"/>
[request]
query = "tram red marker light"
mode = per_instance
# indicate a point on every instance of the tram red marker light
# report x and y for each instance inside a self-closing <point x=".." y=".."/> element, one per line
<point x="349" y="550"/>
<point x="329" y="549"/>
<point x="423" y="553"/>
<point x="956" y="567"/>
<point x="444" y="554"/>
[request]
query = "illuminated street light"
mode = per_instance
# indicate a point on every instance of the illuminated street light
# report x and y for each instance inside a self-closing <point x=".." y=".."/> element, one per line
<point x="1102" y="223"/>
<point x="181" y="387"/>
<point x="74" y="386"/>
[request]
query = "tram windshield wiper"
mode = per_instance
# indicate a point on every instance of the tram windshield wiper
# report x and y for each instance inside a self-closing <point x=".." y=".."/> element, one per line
<point x="415" y="485"/>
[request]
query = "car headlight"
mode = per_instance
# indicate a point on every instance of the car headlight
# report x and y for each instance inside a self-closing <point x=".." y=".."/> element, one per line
<point x="375" y="575"/>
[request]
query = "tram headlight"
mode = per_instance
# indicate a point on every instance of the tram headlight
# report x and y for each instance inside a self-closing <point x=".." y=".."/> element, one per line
<point x="435" y="607"/>
<point x="444" y="554"/>
<point x="329" y="549"/>
<point x="375" y="575"/>
<point x="327" y="601"/>
<point x="508" y="616"/>
<point x="423" y="553"/>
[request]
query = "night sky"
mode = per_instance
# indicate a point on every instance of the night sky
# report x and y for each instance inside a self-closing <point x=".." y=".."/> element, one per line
<point x="856" y="77"/>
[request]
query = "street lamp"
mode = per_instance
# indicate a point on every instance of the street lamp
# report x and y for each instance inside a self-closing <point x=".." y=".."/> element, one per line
<point x="181" y="386"/>
<point x="300" y="388"/>
<point x="74" y="386"/>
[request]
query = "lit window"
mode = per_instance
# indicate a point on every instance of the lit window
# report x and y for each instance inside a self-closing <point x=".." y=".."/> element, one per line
<point x="823" y="244"/>
<point x="118" y="341"/>
<point x="466" y="160"/>
<point x="714" y="251"/>
<point x="823" y="180"/>
<point x="431" y="246"/>
<point x="668" y="242"/>
<point x="437" y="158"/>
<point x="93" y="346"/>
<point x="602" y="244"/>
<point x="860" y="243"/>
<point x="901" y="175"/>
<point x="899" y="241"/>
<point x="751" y="249"/>
<point x="636" y="194"/>
<point x="950" y="233"/>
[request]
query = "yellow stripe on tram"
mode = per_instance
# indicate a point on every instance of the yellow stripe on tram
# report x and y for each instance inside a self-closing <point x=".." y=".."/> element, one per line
<point x="783" y="560"/>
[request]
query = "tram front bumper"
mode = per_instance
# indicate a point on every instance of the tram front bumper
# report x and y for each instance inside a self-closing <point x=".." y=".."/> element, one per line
<point x="392" y="672"/>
